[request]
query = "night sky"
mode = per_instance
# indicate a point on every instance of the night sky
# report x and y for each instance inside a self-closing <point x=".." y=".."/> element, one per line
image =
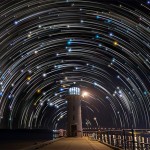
<point x="46" y="46"/>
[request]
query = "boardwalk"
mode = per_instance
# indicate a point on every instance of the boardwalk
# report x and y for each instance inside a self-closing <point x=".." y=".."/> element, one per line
<point x="75" y="144"/>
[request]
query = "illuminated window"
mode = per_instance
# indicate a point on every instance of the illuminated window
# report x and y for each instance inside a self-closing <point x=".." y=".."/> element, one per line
<point x="74" y="91"/>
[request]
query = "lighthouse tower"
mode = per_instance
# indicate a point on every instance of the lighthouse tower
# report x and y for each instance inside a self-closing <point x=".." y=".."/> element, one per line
<point x="74" y="119"/>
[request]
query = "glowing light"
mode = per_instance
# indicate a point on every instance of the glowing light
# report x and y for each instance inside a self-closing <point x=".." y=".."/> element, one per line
<point x="97" y="17"/>
<point x="84" y="94"/>
<point x="61" y="89"/>
<point x="35" y="52"/>
<point x="74" y="91"/>
<point x="16" y="22"/>
<point x="69" y="41"/>
<point x="44" y="93"/>
<point x="109" y="21"/>
<point x="28" y="78"/>
<point x="40" y="26"/>
<point x="110" y="34"/>
<point x="97" y="36"/>
<point x="41" y="104"/>
<point x="69" y="50"/>
<point x="51" y="104"/>
<point x="29" y="35"/>
<point x="113" y="60"/>
<point x="95" y="84"/>
<point x="9" y="96"/>
<point x="63" y="86"/>
<point x="44" y="75"/>
<point x="145" y="92"/>
<point x="56" y="106"/>
<point x="29" y="71"/>
<point x="100" y="45"/>
<point x="38" y="91"/>
<point x="81" y="21"/>
<point x="120" y="92"/>
<point x="94" y="118"/>
<point x="115" y="43"/>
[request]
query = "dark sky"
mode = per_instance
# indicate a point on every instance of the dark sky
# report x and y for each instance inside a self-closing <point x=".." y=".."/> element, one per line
<point x="48" y="46"/>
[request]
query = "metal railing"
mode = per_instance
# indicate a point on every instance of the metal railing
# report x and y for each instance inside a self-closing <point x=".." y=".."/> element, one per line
<point x="127" y="139"/>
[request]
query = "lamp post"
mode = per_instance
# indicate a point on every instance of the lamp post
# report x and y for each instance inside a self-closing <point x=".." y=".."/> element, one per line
<point x="96" y="121"/>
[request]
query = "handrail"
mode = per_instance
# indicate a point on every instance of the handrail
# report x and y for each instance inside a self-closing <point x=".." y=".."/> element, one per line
<point x="127" y="139"/>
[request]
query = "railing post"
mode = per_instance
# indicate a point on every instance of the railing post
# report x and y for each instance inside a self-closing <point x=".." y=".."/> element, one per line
<point x="101" y="136"/>
<point x="96" y="135"/>
<point x="112" y="139"/>
<point x="124" y="137"/>
<point x="108" y="137"/>
<point x="138" y="142"/>
<point x="117" y="139"/>
<point x="142" y="142"/>
<point x="133" y="147"/>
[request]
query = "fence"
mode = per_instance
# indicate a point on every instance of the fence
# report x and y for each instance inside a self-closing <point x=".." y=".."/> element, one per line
<point x="127" y="139"/>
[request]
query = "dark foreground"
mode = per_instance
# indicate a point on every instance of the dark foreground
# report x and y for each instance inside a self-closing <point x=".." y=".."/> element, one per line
<point x="18" y="144"/>
<point x="21" y="138"/>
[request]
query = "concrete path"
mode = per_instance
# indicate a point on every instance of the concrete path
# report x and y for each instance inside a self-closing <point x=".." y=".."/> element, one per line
<point x="75" y="144"/>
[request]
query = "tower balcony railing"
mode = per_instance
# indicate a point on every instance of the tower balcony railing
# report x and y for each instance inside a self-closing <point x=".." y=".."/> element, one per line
<point x="125" y="139"/>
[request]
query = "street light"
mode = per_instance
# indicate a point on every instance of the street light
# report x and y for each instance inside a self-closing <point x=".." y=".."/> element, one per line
<point x="96" y="121"/>
<point x="88" y="123"/>
<point x="84" y="94"/>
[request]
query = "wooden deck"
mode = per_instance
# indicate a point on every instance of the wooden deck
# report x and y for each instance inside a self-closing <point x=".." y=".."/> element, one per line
<point x="75" y="144"/>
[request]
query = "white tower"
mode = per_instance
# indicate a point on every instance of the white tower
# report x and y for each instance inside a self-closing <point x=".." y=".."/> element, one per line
<point x="74" y="120"/>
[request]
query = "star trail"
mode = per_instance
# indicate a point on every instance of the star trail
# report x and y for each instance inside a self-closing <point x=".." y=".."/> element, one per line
<point x="46" y="46"/>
